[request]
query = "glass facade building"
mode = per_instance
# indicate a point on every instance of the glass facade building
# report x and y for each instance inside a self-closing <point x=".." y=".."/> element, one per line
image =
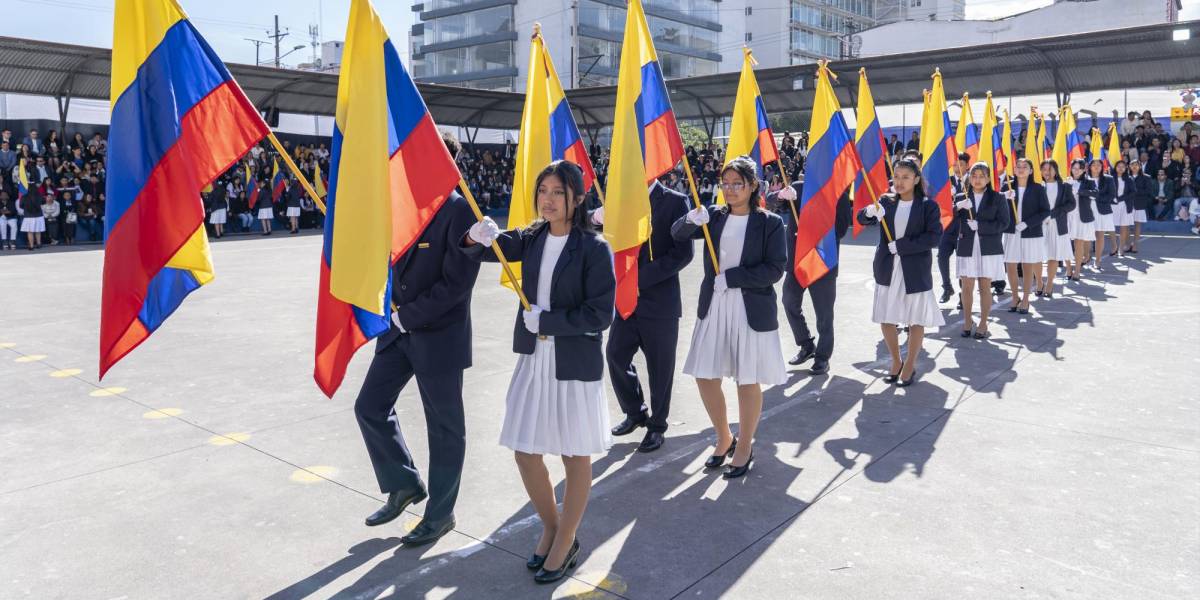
<point x="465" y="42"/>
<point x="821" y="28"/>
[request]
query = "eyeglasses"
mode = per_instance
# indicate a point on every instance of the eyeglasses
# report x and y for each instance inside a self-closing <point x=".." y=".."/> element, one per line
<point x="733" y="187"/>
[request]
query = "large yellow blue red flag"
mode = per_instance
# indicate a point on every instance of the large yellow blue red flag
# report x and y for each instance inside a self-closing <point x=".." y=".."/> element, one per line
<point x="1044" y="143"/>
<point x="548" y="133"/>
<point x="832" y="164"/>
<point x="389" y="174"/>
<point x="1032" y="150"/>
<point x="990" y="147"/>
<point x="178" y="120"/>
<point x="1074" y="140"/>
<point x="750" y="131"/>
<point x="1096" y="148"/>
<point x="938" y="150"/>
<point x="872" y="151"/>
<point x="1113" y="153"/>
<point x="1006" y="149"/>
<point x="966" y="137"/>
<point x="645" y="144"/>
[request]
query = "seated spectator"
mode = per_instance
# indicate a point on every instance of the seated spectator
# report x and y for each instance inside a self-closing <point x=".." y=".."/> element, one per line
<point x="1163" y="191"/>
<point x="86" y="225"/>
<point x="51" y="210"/>
<point x="1185" y="193"/>
<point x="8" y="221"/>
<point x="69" y="217"/>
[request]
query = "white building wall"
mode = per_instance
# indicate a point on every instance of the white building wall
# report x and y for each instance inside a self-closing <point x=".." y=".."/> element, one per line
<point x="1062" y="18"/>
<point x="557" y="28"/>
<point x="769" y="22"/>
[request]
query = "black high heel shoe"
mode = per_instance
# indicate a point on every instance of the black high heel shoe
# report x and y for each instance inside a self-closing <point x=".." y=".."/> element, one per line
<point x="907" y="382"/>
<point x="715" y="461"/>
<point x="733" y="471"/>
<point x="892" y="377"/>
<point x="544" y="576"/>
<point x="535" y="561"/>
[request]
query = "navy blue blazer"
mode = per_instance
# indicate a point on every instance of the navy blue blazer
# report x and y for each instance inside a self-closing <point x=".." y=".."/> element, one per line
<point x="1128" y="194"/>
<point x="1061" y="208"/>
<point x="431" y="293"/>
<point x="661" y="260"/>
<point x="1143" y="194"/>
<point x="841" y="223"/>
<point x="992" y="217"/>
<point x="1106" y="193"/>
<point x="1085" y="200"/>
<point x="915" y="247"/>
<point x="581" y="299"/>
<point x="764" y="260"/>
<point x="1035" y="208"/>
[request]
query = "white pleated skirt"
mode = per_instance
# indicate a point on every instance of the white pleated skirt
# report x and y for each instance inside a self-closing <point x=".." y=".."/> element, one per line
<point x="1019" y="249"/>
<point x="1058" y="246"/>
<point x="217" y="217"/>
<point x="33" y="224"/>
<point x="266" y="213"/>
<point x="724" y="345"/>
<point x="895" y="306"/>
<point x="1120" y="217"/>
<point x="546" y="416"/>
<point x="1139" y="215"/>
<point x="1104" y="222"/>
<point x="978" y="266"/>
<point x="1080" y="230"/>
<point x="293" y="211"/>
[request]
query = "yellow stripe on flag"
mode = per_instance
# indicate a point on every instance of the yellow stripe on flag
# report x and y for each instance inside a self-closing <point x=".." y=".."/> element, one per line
<point x="138" y="28"/>
<point x="533" y="144"/>
<point x="627" y="212"/>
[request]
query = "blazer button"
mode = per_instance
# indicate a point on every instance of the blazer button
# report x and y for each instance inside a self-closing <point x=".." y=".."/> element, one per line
<point x="403" y="287"/>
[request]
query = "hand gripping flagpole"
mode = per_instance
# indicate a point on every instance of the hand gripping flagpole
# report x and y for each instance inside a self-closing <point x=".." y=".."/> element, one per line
<point x="712" y="253"/>
<point x="823" y="65"/>
<point x="466" y="191"/>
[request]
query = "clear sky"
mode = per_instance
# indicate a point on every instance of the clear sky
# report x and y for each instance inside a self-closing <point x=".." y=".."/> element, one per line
<point x="226" y="23"/>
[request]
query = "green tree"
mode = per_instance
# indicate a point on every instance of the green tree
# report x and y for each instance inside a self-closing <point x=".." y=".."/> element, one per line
<point x="692" y="135"/>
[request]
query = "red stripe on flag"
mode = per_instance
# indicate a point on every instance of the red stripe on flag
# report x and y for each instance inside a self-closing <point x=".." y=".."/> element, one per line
<point x="664" y="147"/>
<point x="819" y="214"/>
<point x="863" y="197"/>
<point x="766" y="147"/>
<point x="625" y="265"/>
<point x="163" y="217"/>
<point x="577" y="154"/>
<point x="422" y="175"/>
<point x="338" y="337"/>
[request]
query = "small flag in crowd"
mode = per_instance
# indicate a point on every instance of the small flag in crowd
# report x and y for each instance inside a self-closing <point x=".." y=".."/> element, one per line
<point x="276" y="180"/>
<point x="1114" y="145"/>
<point x="750" y="131"/>
<point x="178" y="120"/>
<point x="645" y="144"/>
<point x="990" y="147"/>
<point x="832" y="165"/>
<point x="22" y="180"/>
<point x="966" y="137"/>
<point x="1031" y="147"/>
<point x="320" y="186"/>
<point x="252" y="188"/>
<point x="872" y="150"/>
<point x="548" y="133"/>
<point x="389" y="174"/>
<point x="938" y="150"/>
<point x="1096" y="147"/>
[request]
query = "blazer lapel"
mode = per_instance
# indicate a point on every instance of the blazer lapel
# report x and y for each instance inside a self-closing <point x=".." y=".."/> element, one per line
<point x="754" y="235"/>
<point x="571" y="246"/>
<point x="531" y="266"/>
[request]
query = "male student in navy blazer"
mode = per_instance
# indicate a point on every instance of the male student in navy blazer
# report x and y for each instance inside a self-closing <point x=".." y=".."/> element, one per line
<point x="948" y="245"/>
<point x="822" y="292"/>
<point x="430" y="338"/>
<point x="654" y="325"/>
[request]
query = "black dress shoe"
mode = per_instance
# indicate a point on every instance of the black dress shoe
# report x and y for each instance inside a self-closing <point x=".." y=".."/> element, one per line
<point x="653" y="441"/>
<point x="535" y="562"/>
<point x="628" y="426"/>
<point x="544" y="576"/>
<point x="716" y="460"/>
<point x="966" y="333"/>
<point x="803" y="355"/>
<point x="734" y="471"/>
<point x="1012" y="308"/>
<point x="892" y="377"/>
<point x="907" y="382"/>
<point x="946" y="294"/>
<point x="396" y="503"/>
<point x="820" y="367"/>
<point x="427" y="532"/>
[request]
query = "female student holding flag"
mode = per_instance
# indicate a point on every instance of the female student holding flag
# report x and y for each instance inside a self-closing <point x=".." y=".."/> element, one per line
<point x="1024" y="245"/>
<point x="983" y="215"/>
<point x="738" y="332"/>
<point x="555" y="402"/>
<point x="1106" y="197"/>
<point x="1123" y="209"/>
<point x="1056" y="230"/>
<point x="1082" y="222"/>
<point x="903" y="267"/>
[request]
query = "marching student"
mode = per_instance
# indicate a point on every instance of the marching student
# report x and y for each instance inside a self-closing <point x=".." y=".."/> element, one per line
<point x="1083" y="217"/>
<point x="265" y="212"/>
<point x="1024" y="245"/>
<point x="291" y="195"/>
<point x="1056" y="230"/>
<point x="33" y="223"/>
<point x="219" y="205"/>
<point x="822" y="292"/>
<point x="654" y="325"/>
<point x="983" y="216"/>
<point x="949" y="242"/>
<point x="555" y="402"/>
<point x="1106" y="195"/>
<point x="737" y="334"/>
<point x="1122" y="214"/>
<point x="1143" y="197"/>
<point x="903" y="268"/>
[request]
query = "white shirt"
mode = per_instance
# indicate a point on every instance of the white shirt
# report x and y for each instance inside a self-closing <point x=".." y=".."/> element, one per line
<point x="550" y="253"/>
<point x="733" y="238"/>
<point x="900" y="223"/>
<point x="1052" y="193"/>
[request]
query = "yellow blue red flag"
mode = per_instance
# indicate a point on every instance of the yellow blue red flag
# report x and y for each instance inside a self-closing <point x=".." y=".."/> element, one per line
<point x="872" y="150"/>
<point x="750" y="132"/>
<point x="178" y="120"/>
<point x="966" y="137"/>
<point x="938" y="150"/>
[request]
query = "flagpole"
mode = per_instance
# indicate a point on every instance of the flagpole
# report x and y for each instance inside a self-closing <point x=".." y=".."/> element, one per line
<point x="466" y="191"/>
<point x="787" y="183"/>
<point x="712" y="253"/>
<point x="296" y="171"/>
<point x="824" y="65"/>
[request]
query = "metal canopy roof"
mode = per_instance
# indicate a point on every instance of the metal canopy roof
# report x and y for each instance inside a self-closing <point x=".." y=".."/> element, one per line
<point x="1125" y="58"/>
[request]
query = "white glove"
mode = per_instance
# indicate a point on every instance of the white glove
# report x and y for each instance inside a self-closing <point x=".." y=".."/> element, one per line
<point x="698" y="216"/>
<point x="787" y="193"/>
<point x="873" y="211"/>
<point x="964" y="204"/>
<point x="892" y="247"/>
<point x="1010" y="194"/>
<point x="397" y="323"/>
<point x="532" y="319"/>
<point x="719" y="284"/>
<point x="598" y="216"/>
<point x="484" y="232"/>
<point x="973" y="224"/>
<point x="1021" y="227"/>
